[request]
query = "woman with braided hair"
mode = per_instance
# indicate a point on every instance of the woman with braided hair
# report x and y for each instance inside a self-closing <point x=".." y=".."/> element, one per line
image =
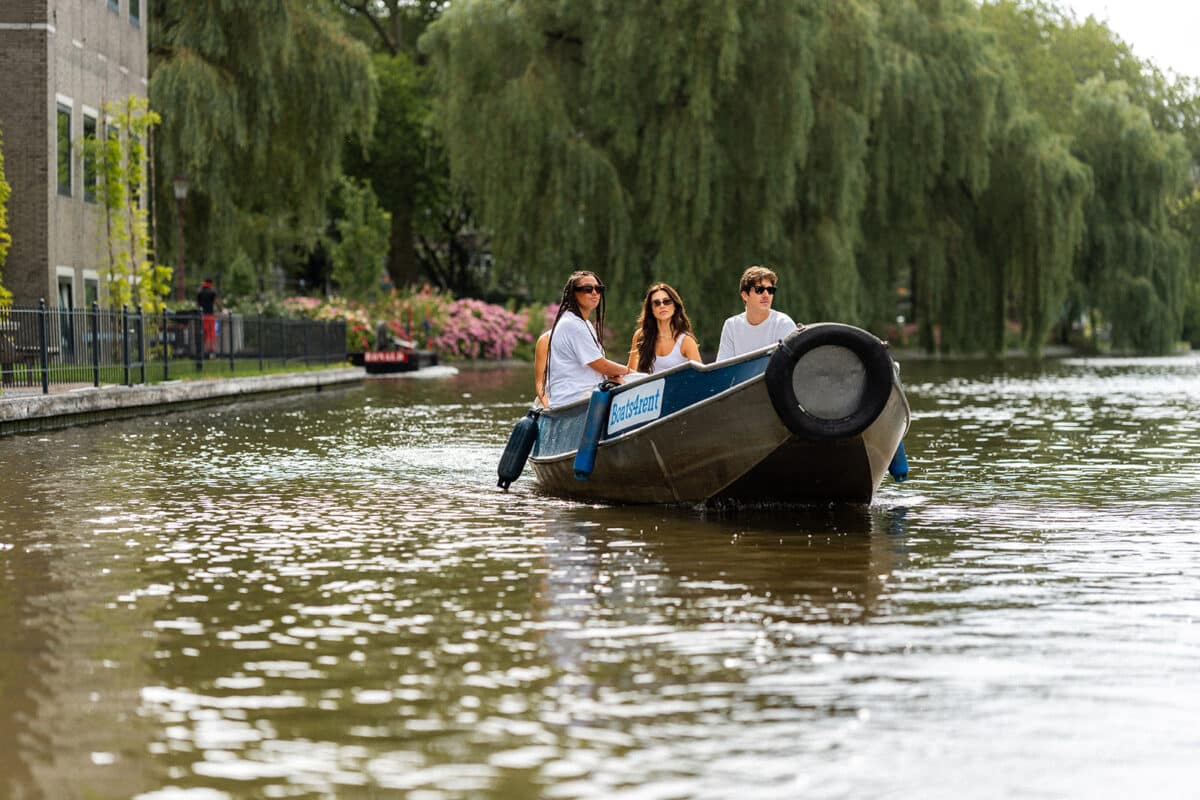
<point x="577" y="363"/>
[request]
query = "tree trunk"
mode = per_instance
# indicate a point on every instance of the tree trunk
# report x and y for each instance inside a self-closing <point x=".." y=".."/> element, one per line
<point x="402" y="264"/>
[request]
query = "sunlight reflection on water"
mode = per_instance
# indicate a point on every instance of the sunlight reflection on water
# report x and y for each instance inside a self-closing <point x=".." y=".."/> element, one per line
<point x="327" y="596"/>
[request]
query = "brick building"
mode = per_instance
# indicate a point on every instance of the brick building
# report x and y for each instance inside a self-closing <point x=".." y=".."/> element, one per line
<point x="61" y="61"/>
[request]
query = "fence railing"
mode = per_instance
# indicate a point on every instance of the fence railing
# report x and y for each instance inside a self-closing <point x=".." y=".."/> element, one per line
<point x="76" y="346"/>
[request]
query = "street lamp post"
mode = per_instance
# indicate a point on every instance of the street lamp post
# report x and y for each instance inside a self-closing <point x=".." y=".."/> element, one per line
<point x="181" y="191"/>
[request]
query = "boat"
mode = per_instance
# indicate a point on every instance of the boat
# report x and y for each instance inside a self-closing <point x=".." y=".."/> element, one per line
<point x="400" y="355"/>
<point x="383" y="362"/>
<point x="818" y="417"/>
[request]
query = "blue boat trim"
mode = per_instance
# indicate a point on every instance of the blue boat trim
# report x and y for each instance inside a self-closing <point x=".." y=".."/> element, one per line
<point x="561" y="430"/>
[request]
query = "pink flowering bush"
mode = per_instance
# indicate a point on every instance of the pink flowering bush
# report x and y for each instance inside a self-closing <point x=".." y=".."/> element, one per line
<point x="550" y="313"/>
<point x="433" y="320"/>
<point x="475" y="329"/>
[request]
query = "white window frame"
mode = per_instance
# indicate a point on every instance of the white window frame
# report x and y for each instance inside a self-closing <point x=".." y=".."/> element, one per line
<point x="61" y="272"/>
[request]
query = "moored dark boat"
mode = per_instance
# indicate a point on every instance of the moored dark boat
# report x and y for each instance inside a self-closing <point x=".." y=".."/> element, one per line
<point x="818" y="417"/>
<point x="382" y="362"/>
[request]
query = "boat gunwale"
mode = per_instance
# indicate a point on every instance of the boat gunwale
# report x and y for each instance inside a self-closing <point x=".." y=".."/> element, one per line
<point x="652" y="424"/>
<point x="692" y="365"/>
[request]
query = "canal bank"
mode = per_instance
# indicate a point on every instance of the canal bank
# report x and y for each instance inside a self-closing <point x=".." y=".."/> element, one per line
<point x="32" y="413"/>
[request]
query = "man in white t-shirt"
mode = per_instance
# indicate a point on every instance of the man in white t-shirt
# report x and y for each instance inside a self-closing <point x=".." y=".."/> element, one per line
<point x="760" y="325"/>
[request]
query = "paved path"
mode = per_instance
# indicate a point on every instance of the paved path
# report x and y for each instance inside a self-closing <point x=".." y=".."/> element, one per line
<point x="66" y="405"/>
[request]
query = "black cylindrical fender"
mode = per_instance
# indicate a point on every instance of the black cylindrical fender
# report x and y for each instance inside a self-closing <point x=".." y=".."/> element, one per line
<point x="516" y="452"/>
<point x="829" y="381"/>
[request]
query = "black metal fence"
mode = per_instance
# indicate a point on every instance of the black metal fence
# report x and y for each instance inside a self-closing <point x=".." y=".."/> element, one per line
<point x="74" y="346"/>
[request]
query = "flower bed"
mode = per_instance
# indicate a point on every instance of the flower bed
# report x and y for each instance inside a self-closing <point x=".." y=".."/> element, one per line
<point x="462" y="328"/>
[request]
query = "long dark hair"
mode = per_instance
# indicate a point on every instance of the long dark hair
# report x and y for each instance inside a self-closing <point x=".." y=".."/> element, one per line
<point x="568" y="303"/>
<point x="647" y="325"/>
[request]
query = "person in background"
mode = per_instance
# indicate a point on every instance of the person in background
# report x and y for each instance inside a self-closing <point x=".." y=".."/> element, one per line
<point x="206" y="298"/>
<point x="576" y="361"/>
<point x="541" y="350"/>
<point x="663" y="336"/>
<point x="760" y="325"/>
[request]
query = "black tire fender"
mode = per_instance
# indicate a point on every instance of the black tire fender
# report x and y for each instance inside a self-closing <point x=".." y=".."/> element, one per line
<point x="829" y="380"/>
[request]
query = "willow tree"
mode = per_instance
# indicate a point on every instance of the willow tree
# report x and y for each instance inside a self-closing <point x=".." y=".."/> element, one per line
<point x="1031" y="227"/>
<point x="944" y="101"/>
<point x="658" y="143"/>
<point x="257" y="99"/>
<point x="823" y="230"/>
<point x="1185" y="217"/>
<point x="1063" y="63"/>
<point x="1133" y="266"/>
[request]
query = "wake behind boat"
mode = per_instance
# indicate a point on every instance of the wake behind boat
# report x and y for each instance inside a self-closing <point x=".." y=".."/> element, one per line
<point x="817" y="417"/>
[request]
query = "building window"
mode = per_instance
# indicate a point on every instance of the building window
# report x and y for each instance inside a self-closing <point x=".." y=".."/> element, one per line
<point x="135" y="13"/>
<point x="90" y="175"/>
<point x="66" y="302"/>
<point x="91" y="288"/>
<point x="64" y="150"/>
<point x="114" y="6"/>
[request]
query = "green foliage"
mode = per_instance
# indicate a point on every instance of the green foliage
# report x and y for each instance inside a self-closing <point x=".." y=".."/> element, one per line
<point x="823" y="231"/>
<point x="132" y="277"/>
<point x="1003" y="165"/>
<point x="258" y="98"/>
<point x="1133" y="266"/>
<point x="240" y="279"/>
<point x="852" y="145"/>
<point x="5" y="237"/>
<point x="359" y="252"/>
<point x="661" y="142"/>
<point x="399" y="161"/>
<point x="1185" y="218"/>
<point x="1135" y="129"/>
<point x="1032" y="226"/>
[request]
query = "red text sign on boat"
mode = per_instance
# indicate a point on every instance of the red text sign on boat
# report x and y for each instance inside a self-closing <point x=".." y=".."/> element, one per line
<point x="385" y="356"/>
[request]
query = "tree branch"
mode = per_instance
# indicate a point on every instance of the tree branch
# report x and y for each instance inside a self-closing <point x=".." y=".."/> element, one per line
<point x="361" y="8"/>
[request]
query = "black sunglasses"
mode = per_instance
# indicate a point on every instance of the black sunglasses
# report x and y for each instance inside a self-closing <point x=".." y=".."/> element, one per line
<point x="598" y="288"/>
<point x="768" y="289"/>
<point x="666" y="301"/>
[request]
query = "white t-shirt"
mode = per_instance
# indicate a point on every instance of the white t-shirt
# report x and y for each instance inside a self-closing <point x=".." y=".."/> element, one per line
<point x="739" y="336"/>
<point x="572" y="347"/>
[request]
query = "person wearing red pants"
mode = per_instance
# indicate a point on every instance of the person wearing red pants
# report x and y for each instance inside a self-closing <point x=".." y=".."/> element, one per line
<point x="206" y="298"/>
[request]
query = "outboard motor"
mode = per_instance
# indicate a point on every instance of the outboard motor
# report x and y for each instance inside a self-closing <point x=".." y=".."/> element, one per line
<point x="516" y="452"/>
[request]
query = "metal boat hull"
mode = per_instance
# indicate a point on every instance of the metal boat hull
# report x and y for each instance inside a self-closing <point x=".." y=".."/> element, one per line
<point x="730" y="446"/>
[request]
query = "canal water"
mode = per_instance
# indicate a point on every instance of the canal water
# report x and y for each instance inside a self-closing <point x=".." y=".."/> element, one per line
<point x="326" y="596"/>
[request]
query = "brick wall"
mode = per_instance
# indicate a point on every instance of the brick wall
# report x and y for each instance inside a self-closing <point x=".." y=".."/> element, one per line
<point x="23" y="63"/>
<point x="81" y="50"/>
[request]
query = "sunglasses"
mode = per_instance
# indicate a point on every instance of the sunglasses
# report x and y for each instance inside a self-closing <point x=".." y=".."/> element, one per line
<point x="591" y="287"/>
<point x="666" y="301"/>
<point x="768" y="289"/>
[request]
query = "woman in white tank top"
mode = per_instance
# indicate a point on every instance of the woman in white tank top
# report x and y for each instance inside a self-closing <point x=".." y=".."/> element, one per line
<point x="663" y="337"/>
